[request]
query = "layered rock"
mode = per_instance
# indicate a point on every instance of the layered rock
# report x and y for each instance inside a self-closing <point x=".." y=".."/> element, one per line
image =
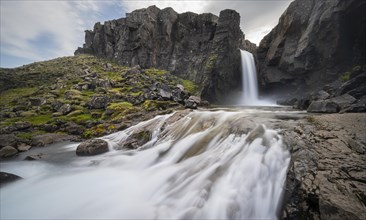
<point x="203" y="48"/>
<point x="312" y="45"/>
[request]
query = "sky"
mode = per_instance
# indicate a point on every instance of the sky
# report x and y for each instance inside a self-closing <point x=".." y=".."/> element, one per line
<point x="37" y="30"/>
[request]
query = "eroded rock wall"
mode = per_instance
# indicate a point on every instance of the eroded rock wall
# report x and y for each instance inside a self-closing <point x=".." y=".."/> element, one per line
<point x="312" y="45"/>
<point x="203" y="48"/>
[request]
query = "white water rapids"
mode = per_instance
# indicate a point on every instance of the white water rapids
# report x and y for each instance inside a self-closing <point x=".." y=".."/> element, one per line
<point x="204" y="165"/>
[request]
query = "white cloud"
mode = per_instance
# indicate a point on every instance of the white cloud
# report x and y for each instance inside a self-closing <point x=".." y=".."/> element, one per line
<point x="60" y="23"/>
<point x="177" y="5"/>
<point x="24" y="24"/>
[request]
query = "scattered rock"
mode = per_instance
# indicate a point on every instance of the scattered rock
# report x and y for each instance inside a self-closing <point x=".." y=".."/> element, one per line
<point x="8" y="151"/>
<point x="49" y="138"/>
<point x="92" y="147"/>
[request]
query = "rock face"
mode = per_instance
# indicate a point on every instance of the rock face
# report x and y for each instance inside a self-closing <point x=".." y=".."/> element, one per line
<point x="312" y="45"/>
<point x="326" y="177"/>
<point x="203" y="48"/>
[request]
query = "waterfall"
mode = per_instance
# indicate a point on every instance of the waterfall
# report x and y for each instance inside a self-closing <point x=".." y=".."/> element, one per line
<point x="197" y="165"/>
<point x="249" y="79"/>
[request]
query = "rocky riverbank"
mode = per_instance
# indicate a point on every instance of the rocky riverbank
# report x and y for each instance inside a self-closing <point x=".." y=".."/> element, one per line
<point x="81" y="97"/>
<point x="327" y="176"/>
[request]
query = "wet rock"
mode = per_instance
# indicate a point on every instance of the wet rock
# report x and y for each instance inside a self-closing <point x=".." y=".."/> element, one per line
<point x="6" y="178"/>
<point x="320" y="95"/>
<point x="343" y="101"/>
<point x="92" y="147"/>
<point x="35" y="157"/>
<point x="136" y="140"/>
<point x="23" y="147"/>
<point x="192" y="102"/>
<point x="8" y="151"/>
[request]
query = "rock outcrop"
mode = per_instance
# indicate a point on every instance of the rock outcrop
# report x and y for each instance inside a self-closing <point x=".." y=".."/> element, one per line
<point x="314" y="43"/>
<point x="203" y="48"/>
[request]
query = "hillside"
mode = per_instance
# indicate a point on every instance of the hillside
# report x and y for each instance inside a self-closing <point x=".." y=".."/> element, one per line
<point x="83" y="96"/>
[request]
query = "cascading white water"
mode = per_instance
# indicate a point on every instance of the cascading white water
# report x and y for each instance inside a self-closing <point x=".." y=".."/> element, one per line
<point x="249" y="79"/>
<point x="206" y="165"/>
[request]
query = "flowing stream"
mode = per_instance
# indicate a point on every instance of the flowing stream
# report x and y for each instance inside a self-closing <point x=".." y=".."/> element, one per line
<point x="205" y="164"/>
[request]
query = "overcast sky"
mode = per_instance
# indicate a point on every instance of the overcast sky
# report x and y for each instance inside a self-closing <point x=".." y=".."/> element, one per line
<point x="36" y="30"/>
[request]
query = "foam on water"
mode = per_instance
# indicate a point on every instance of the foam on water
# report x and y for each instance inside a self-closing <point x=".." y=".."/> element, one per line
<point x="206" y="165"/>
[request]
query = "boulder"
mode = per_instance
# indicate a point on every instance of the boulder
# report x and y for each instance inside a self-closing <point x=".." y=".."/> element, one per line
<point x="98" y="102"/>
<point x="35" y="157"/>
<point x="23" y="147"/>
<point x="6" y="178"/>
<point x="343" y="101"/>
<point x="359" y="106"/>
<point x="7" y="140"/>
<point x="92" y="147"/>
<point x="8" y="151"/>
<point x="136" y="140"/>
<point x="323" y="106"/>
<point x="65" y="109"/>
<point x="355" y="86"/>
<point x="192" y="102"/>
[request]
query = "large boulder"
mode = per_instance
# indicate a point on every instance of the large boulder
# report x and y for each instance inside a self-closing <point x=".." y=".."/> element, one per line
<point x="333" y="105"/>
<point x="8" y="151"/>
<point x="192" y="102"/>
<point x="314" y="43"/>
<point x="199" y="47"/>
<point x="6" y="178"/>
<point x="92" y="147"/>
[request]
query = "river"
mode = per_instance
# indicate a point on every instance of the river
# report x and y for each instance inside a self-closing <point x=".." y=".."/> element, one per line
<point x="222" y="163"/>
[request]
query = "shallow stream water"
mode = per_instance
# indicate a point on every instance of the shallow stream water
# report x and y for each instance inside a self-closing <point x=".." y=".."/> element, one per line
<point x="222" y="163"/>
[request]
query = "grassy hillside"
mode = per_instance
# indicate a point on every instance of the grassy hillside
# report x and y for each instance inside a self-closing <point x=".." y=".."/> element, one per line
<point x="84" y="95"/>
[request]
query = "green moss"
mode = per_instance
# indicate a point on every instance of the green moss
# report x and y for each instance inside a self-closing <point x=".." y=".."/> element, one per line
<point x="191" y="87"/>
<point x="39" y="119"/>
<point x="11" y="95"/>
<point x="153" y="105"/>
<point x="211" y="61"/>
<point x="29" y="135"/>
<point x="156" y="72"/>
<point x="345" y="76"/>
<point x="121" y="106"/>
<point x="112" y="75"/>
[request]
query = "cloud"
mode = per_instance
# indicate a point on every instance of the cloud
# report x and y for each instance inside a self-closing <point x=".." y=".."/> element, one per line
<point x="39" y="30"/>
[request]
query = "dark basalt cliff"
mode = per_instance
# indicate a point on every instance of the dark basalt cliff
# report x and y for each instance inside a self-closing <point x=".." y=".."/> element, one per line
<point x="203" y="48"/>
<point x="313" y="44"/>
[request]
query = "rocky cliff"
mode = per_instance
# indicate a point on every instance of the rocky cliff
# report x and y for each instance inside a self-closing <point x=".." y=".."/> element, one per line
<point x="314" y="43"/>
<point x="203" y="48"/>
